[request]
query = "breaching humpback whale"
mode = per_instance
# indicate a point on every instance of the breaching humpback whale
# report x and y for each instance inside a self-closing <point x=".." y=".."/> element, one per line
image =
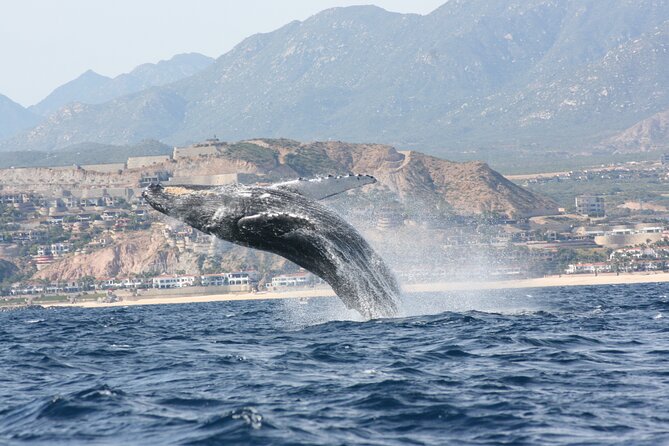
<point x="286" y="219"/>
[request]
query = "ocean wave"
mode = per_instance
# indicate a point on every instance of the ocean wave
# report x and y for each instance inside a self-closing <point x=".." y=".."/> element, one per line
<point x="564" y="366"/>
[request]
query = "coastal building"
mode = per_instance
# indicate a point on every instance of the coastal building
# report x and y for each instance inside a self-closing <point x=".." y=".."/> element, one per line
<point x="296" y="279"/>
<point x="589" y="268"/>
<point x="14" y="198"/>
<point x="173" y="281"/>
<point x="133" y="282"/>
<point x="154" y="178"/>
<point x="242" y="277"/>
<point x="108" y="283"/>
<point x="214" y="279"/>
<point x="54" y="249"/>
<point x="619" y="236"/>
<point x="590" y="205"/>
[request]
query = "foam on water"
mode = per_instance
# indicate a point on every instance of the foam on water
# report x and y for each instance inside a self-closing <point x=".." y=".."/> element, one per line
<point x="314" y="311"/>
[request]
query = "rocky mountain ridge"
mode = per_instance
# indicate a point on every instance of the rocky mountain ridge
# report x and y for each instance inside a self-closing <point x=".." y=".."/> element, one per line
<point x="93" y="88"/>
<point x="537" y="74"/>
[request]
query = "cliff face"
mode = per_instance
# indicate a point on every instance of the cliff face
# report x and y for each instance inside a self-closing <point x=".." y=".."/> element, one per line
<point x="130" y="254"/>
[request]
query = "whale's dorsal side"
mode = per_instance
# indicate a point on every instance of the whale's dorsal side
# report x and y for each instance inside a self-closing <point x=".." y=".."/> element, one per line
<point x="324" y="187"/>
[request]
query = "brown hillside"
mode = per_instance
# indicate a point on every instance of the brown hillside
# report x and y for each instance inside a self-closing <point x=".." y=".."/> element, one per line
<point x="467" y="188"/>
<point x="132" y="253"/>
<point x="649" y="134"/>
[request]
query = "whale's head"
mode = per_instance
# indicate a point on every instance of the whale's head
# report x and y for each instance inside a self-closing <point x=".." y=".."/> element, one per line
<point x="203" y="207"/>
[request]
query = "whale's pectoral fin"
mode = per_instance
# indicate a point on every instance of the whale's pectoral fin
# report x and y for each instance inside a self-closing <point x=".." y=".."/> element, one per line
<point x="272" y="224"/>
<point x="324" y="187"/>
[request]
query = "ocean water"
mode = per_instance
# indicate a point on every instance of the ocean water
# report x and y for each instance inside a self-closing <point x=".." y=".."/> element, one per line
<point x="554" y="366"/>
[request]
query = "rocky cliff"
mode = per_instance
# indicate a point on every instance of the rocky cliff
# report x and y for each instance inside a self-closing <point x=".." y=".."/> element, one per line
<point x="130" y="254"/>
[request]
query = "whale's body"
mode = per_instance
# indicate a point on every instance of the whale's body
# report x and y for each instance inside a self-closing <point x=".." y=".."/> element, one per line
<point x="286" y="219"/>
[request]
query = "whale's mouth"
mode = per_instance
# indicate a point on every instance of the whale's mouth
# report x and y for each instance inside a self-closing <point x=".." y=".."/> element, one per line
<point x="154" y="195"/>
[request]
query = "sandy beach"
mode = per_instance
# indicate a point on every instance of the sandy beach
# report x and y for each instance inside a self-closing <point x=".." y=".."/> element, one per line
<point x="549" y="281"/>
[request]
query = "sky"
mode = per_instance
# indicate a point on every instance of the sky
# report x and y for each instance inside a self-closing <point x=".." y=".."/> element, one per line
<point x="46" y="43"/>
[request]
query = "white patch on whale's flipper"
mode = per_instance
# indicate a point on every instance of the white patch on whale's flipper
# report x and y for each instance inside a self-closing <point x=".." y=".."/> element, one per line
<point x="276" y="224"/>
<point x="324" y="187"/>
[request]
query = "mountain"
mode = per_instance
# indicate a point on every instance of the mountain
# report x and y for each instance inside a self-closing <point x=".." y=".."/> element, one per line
<point x="93" y="88"/>
<point x="14" y="118"/>
<point x="649" y="134"/>
<point x="559" y="74"/>
<point x="122" y="121"/>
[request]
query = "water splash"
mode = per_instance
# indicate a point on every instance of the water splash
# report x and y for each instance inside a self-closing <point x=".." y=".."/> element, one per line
<point x="300" y="313"/>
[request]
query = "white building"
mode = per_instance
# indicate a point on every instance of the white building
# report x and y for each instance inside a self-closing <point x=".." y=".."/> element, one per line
<point x="590" y="205"/>
<point x="588" y="268"/>
<point x="242" y="277"/>
<point x="132" y="282"/>
<point x="54" y="249"/>
<point x="58" y="249"/>
<point x="173" y="281"/>
<point x="214" y="279"/>
<point x="296" y="279"/>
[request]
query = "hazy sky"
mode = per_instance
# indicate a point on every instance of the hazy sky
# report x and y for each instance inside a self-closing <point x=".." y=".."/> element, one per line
<point x="45" y="43"/>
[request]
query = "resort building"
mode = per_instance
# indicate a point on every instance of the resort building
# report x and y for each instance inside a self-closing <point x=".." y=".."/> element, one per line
<point x="242" y="278"/>
<point x="590" y="205"/>
<point x="295" y="279"/>
<point x="173" y="281"/>
<point x="589" y="268"/>
<point x="214" y="279"/>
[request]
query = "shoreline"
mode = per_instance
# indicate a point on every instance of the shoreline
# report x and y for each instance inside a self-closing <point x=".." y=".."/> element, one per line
<point x="541" y="282"/>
